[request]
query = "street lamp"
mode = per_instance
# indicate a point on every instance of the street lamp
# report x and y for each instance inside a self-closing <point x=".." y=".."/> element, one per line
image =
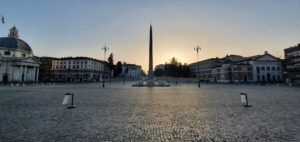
<point x="105" y="49"/>
<point x="2" y="19"/>
<point x="5" y="77"/>
<point x="197" y="49"/>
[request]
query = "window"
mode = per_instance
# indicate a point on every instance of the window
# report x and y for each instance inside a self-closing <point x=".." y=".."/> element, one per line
<point x="273" y="68"/>
<point x="268" y="68"/>
<point x="257" y="69"/>
<point x="262" y="68"/>
<point x="7" y="53"/>
<point x="278" y="68"/>
<point x="23" y="55"/>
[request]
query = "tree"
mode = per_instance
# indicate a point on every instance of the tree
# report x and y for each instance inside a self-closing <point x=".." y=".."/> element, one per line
<point x="174" y="61"/>
<point x="110" y="61"/>
<point x="118" y="69"/>
<point x="159" y="72"/>
<point x="174" y="69"/>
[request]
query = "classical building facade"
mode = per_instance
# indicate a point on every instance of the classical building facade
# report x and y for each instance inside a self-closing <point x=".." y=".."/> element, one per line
<point x="79" y="69"/>
<point x="203" y="69"/>
<point x="263" y="68"/>
<point x="17" y="62"/>
<point x="132" y="71"/>
<point x="292" y="64"/>
<point x="206" y="72"/>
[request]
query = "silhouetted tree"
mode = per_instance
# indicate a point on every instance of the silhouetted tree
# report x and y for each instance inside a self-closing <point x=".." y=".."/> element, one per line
<point x="174" y="69"/>
<point x="159" y="72"/>
<point x="118" y="69"/>
<point x="110" y="61"/>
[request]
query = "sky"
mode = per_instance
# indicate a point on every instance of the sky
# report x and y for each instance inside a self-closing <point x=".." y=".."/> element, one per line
<point x="62" y="28"/>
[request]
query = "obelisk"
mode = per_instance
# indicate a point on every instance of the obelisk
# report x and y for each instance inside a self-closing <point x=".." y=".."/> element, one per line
<point x="150" y="82"/>
<point x="150" y="71"/>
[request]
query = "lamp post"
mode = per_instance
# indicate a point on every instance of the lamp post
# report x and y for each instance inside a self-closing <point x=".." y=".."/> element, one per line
<point x="2" y="19"/>
<point x="5" y="77"/>
<point x="105" y="49"/>
<point x="197" y="49"/>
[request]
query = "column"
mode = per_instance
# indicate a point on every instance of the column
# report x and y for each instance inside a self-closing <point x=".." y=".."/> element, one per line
<point x="37" y="74"/>
<point x="25" y="73"/>
<point x="21" y="73"/>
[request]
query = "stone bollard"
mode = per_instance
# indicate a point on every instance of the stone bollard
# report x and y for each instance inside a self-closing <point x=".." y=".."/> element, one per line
<point x="11" y="85"/>
<point x="17" y="84"/>
<point x="244" y="99"/>
<point x="23" y="84"/>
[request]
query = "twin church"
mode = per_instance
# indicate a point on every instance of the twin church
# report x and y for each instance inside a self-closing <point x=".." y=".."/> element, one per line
<point x="17" y="62"/>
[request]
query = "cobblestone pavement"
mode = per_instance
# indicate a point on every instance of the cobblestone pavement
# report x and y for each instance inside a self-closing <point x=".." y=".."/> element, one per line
<point x="123" y="113"/>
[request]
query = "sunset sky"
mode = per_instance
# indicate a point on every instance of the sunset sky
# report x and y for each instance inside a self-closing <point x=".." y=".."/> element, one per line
<point x="81" y="27"/>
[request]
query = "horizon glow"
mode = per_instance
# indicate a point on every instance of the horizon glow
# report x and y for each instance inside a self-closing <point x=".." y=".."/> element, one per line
<point x="81" y="28"/>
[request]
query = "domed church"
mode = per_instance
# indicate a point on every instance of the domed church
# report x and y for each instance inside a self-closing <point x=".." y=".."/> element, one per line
<point x="17" y="62"/>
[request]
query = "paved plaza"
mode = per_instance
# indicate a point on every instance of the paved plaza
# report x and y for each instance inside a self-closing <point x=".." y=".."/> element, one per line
<point x="120" y="112"/>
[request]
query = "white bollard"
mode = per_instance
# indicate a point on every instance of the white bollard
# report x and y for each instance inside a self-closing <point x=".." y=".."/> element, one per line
<point x="69" y="100"/>
<point x="244" y="99"/>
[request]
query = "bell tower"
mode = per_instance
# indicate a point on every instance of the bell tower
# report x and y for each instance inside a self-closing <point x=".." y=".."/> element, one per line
<point x="13" y="32"/>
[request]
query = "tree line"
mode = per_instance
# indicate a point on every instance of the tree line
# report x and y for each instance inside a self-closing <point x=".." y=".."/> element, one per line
<point x="173" y="68"/>
<point x="115" y="68"/>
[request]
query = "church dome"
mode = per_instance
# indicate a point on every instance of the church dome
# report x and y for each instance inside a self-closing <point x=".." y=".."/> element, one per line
<point x="14" y="43"/>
